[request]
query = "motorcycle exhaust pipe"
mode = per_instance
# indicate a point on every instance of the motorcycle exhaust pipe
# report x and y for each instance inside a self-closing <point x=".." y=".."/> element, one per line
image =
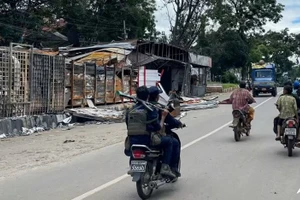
<point x="158" y="185"/>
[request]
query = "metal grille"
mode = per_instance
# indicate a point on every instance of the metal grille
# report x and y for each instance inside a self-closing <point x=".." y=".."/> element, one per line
<point x="14" y="67"/>
<point x="4" y="81"/>
<point x="48" y="83"/>
<point x="30" y="83"/>
<point x="57" y="85"/>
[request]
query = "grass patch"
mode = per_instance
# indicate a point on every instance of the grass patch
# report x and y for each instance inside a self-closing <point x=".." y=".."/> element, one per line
<point x="228" y="85"/>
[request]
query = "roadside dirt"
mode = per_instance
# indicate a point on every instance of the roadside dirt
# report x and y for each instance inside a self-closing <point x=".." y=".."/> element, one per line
<point x="22" y="153"/>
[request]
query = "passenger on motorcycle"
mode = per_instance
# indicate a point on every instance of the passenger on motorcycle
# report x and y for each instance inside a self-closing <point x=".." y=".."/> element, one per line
<point x="171" y="123"/>
<point x="296" y="90"/>
<point x="276" y="119"/>
<point x="240" y="99"/>
<point x="142" y="124"/>
<point x="287" y="106"/>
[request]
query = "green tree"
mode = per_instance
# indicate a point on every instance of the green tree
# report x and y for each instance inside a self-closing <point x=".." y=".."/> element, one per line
<point x="246" y="18"/>
<point x="87" y="21"/>
<point x="19" y="19"/>
<point x="226" y="48"/>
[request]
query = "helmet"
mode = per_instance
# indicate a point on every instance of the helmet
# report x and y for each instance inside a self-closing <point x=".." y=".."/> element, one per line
<point x="154" y="91"/>
<point x="296" y="84"/>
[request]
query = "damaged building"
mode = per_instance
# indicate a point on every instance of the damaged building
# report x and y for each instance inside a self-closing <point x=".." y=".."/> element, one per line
<point x="97" y="72"/>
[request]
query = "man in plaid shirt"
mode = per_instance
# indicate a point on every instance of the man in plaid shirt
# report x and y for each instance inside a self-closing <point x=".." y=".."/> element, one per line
<point x="240" y="99"/>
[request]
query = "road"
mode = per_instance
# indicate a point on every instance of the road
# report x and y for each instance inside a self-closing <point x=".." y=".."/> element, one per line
<point x="214" y="166"/>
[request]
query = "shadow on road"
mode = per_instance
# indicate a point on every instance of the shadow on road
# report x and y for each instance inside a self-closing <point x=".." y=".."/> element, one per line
<point x="283" y="152"/>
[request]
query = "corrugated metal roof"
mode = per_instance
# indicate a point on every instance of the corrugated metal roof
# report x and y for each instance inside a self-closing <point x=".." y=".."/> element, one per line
<point x="199" y="60"/>
<point x="121" y="45"/>
<point x="118" y="53"/>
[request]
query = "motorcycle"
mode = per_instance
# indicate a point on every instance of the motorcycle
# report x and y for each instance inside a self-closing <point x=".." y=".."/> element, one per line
<point x="239" y="124"/>
<point x="145" y="167"/>
<point x="289" y="130"/>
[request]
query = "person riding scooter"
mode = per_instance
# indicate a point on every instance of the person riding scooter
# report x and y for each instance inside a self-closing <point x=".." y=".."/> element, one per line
<point x="287" y="106"/>
<point x="240" y="99"/>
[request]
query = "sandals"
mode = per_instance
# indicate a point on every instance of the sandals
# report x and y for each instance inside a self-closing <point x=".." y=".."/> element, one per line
<point x="278" y="138"/>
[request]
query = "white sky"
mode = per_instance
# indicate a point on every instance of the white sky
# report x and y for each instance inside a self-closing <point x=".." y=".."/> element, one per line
<point x="291" y="17"/>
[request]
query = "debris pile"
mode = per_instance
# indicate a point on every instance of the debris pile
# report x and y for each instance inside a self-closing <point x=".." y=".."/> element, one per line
<point x="98" y="114"/>
<point x="198" y="104"/>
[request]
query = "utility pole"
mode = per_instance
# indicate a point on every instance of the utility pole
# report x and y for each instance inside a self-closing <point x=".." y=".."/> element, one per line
<point x="125" y="30"/>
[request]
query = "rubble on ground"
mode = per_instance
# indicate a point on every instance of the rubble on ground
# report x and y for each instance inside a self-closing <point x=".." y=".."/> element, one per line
<point x="198" y="104"/>
<point x="98" y="114"/>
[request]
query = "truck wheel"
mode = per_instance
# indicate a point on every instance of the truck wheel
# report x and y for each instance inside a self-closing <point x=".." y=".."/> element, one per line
<point x="254" y="94"/>
<point x="274" y="94"/>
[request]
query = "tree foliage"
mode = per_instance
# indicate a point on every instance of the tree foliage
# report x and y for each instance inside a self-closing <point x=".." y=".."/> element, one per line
<point x="245" y="16"/>
<point x="240" y="39"/>
<point x="87" y="21"/>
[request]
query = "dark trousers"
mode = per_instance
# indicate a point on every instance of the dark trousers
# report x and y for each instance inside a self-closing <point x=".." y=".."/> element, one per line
<point x="175" y="153"/>
<point x="167" y="145"/>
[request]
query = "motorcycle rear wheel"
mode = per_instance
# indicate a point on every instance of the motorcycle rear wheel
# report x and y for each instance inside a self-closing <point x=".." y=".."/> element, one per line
<point x="237" y="134"/>
<point x="143" y="191"/>
<point x="290" y="145"/>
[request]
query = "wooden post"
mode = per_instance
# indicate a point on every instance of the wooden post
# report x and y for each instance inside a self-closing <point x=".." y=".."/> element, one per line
<point x="95" y="85"/>
<point x="84" y="84"/>
<point x="72" y="84"/>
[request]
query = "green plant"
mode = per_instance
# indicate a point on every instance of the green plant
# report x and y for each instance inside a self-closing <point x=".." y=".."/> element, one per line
<point x="229" y="77"/>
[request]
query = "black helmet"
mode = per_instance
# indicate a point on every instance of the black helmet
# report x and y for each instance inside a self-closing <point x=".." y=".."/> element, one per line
<point x="242" y="84"/>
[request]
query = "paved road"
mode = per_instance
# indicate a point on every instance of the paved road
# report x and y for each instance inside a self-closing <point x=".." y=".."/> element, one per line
<point x="214" y="167"/>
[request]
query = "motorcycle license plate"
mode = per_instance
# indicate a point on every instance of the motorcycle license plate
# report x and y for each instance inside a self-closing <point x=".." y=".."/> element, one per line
<point x="138" y="165"/>
<point x="290" y="131"/>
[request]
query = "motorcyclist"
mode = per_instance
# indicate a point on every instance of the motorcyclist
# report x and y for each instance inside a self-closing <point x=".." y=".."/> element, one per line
<point x="240" y="99"/>
<point x="276" y="119"/>
<point x="170" y="123"/>
<point x="296" y="90"/>
<point x="249" y="85"/>
<point x="287" y="106"/>
<point x="141" y="124"/>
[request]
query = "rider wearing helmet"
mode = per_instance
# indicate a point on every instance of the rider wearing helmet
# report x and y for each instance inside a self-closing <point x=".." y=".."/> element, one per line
<point x="296" y="88"/>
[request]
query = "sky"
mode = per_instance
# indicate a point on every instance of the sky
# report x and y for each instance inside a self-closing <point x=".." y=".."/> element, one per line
<point x="291" y="17"/>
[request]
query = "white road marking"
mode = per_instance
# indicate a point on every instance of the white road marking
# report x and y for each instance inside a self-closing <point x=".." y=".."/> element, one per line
<point x="298" y="191"/>
<point x="112" y="182"/>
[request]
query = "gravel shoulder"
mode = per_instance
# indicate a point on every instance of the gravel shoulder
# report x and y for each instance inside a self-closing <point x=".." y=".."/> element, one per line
<point x="19" y="154"/>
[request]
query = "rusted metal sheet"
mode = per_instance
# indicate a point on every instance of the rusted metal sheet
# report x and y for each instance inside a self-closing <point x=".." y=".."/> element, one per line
<point x="200" y="61"/>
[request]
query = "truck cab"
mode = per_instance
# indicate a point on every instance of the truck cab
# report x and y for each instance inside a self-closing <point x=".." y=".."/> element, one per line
<point x="264" y="79"/>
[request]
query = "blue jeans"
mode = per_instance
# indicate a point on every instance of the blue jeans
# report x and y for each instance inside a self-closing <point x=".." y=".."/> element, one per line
<point x="175" y="153"/>
<point x="167" y="145"/>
